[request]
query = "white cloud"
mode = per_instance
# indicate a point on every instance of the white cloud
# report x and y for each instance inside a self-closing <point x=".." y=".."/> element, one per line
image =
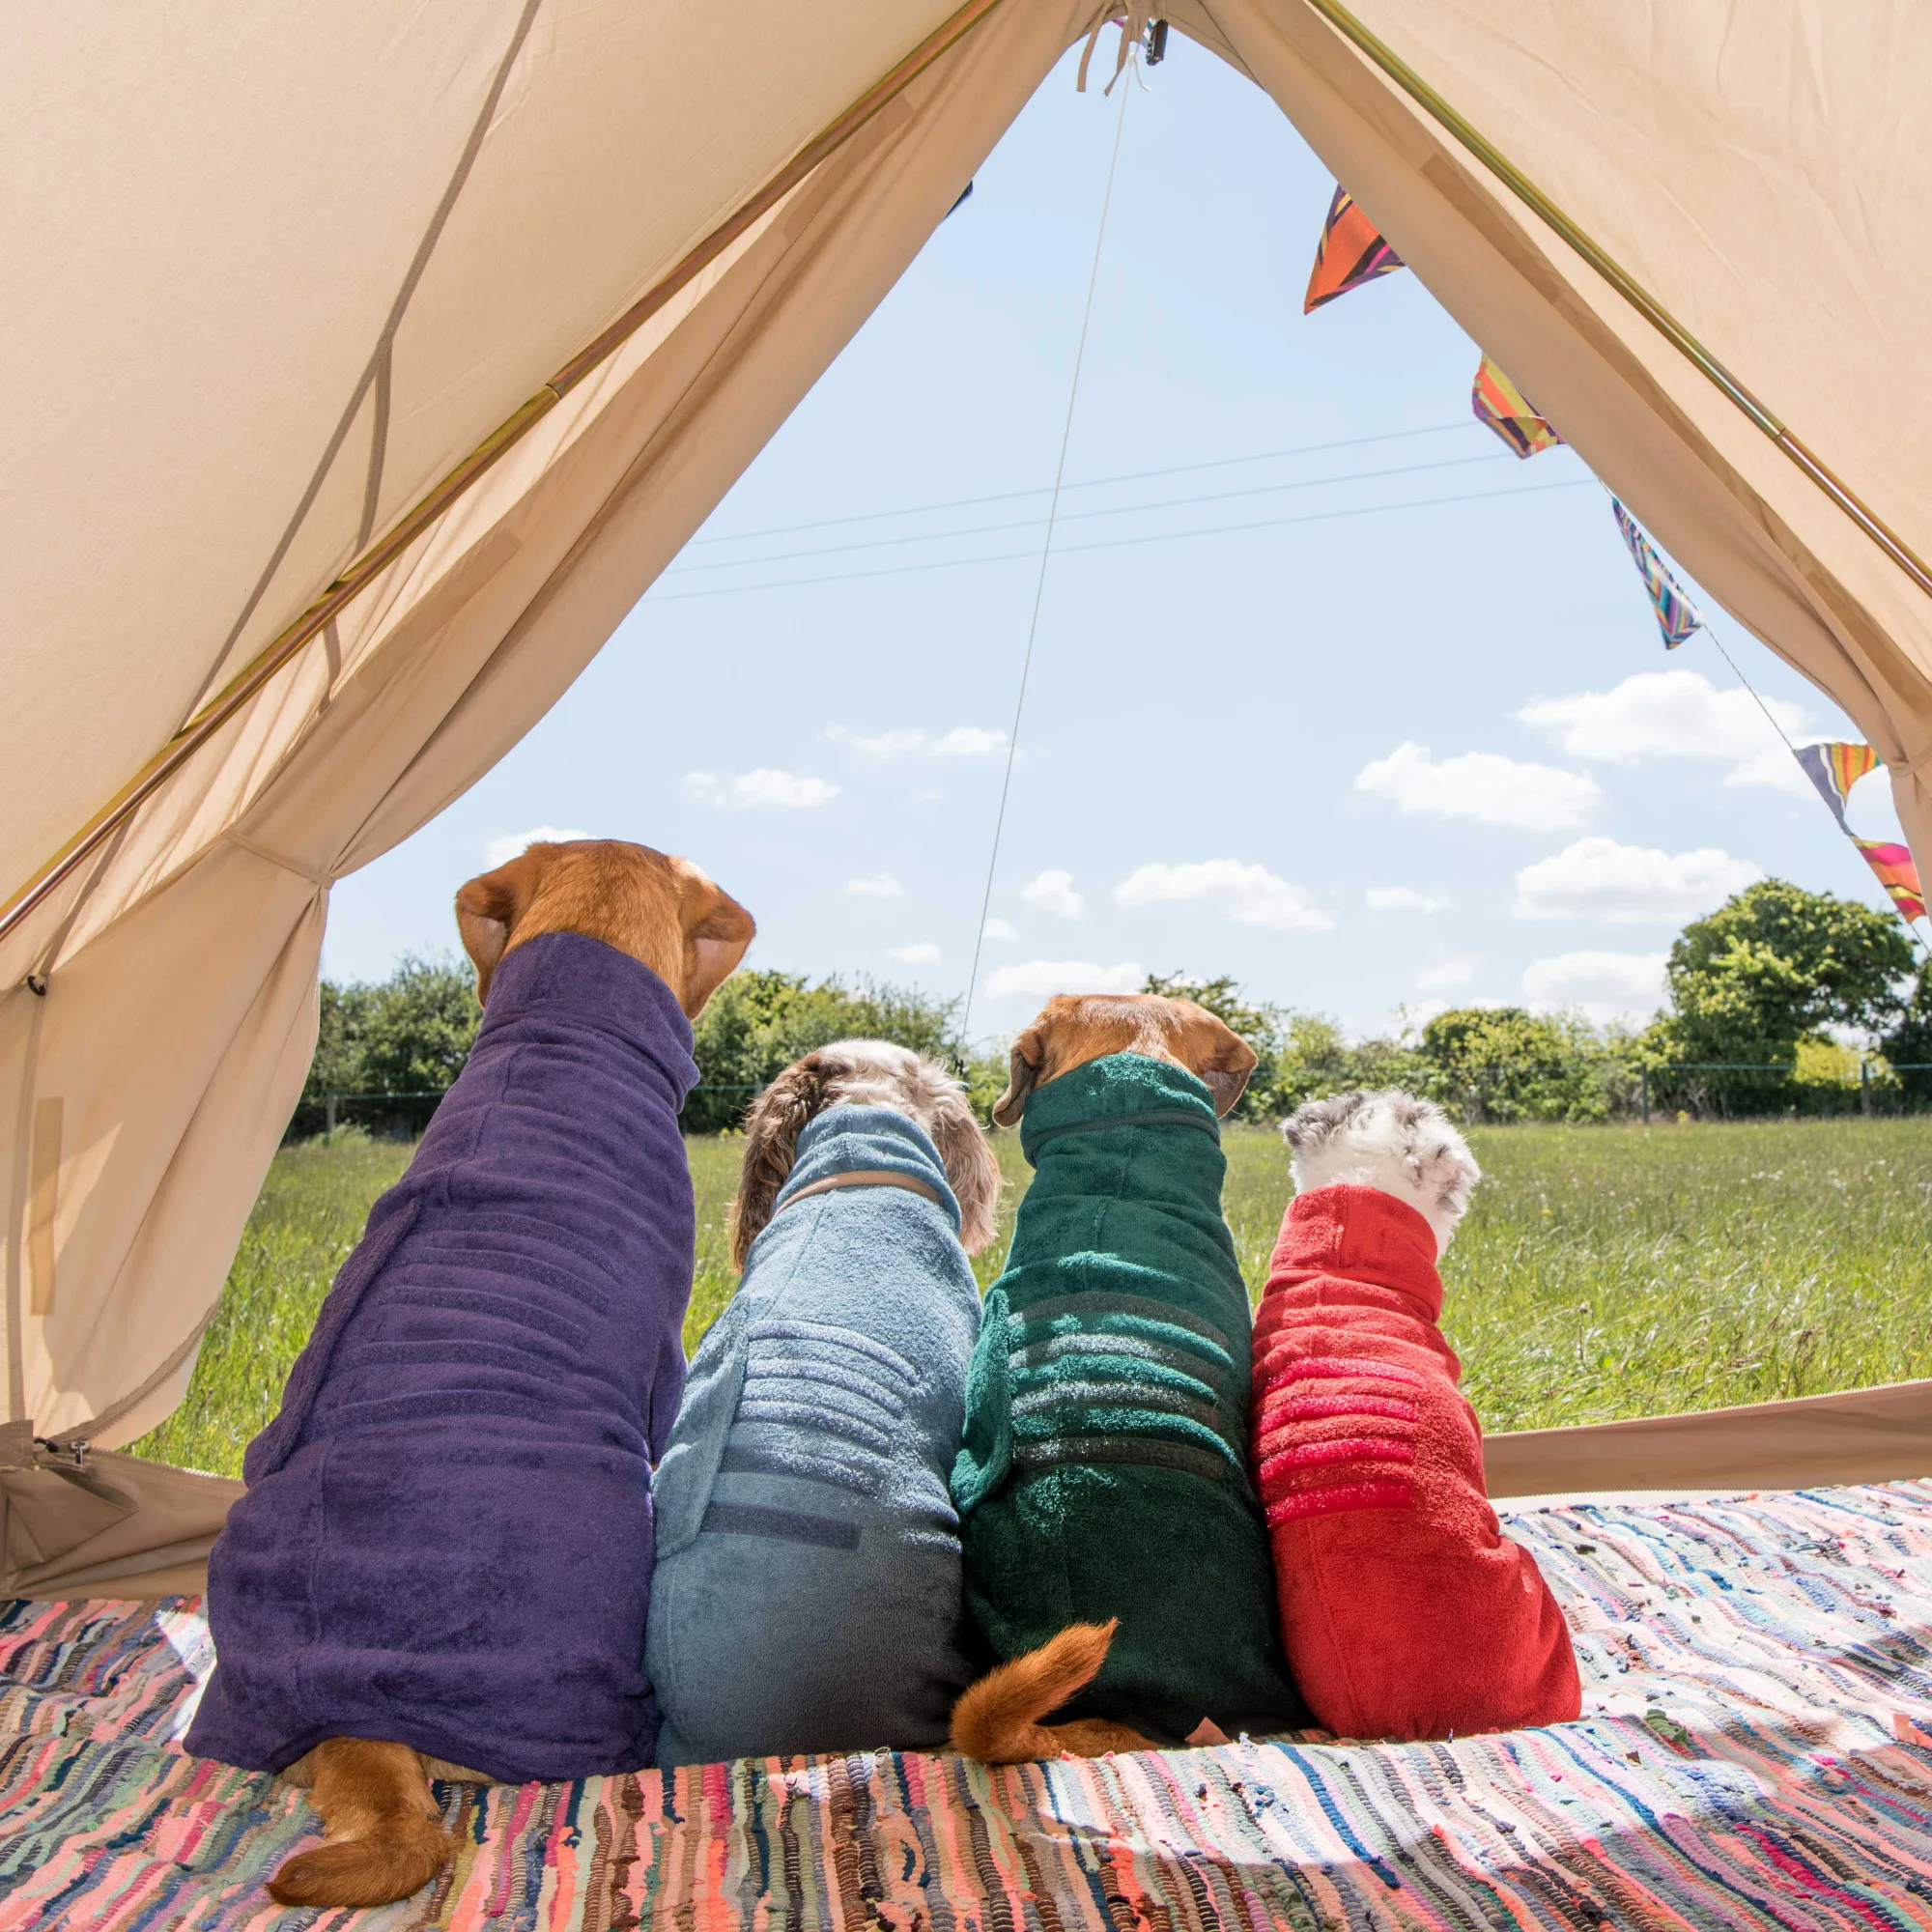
<point x="749" y="791"/>
<point x="962" y="741"/>
<point x="875" y="885"/>
<point x="1600" y="985"/>
<point x="1053" y="892"/>
<point x="1249" y="895"/>
<point x="1041" y="978"/>
<point x="1405" y="898"/>
<point x="998" y="928"/>
<point x="1597" y="879"/>
<point x="923" y="953"/>
<point x="1483" y="785"/>
<point x="1448" y="971"/>
<point x="1674" y="714"/>
<point x="500" y="851"/>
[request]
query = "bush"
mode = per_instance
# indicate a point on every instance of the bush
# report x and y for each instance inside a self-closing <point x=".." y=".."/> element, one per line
<point x="759" y="1023"/>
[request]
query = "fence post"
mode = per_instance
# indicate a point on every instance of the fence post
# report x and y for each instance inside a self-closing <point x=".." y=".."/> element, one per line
<point x="1864" y="1085"/>
<point x="330" y="1106"/>
<point x="1643" y="1075"/>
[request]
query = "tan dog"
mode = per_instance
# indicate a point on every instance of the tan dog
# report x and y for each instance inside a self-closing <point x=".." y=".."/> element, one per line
<point x="384" y="1837"/>
<point x="863" y="1073"/>
<point x="997" y="1720"/>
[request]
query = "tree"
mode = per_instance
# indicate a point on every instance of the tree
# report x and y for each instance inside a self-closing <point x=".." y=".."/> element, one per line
<point x="756" y="1024"/>
<point x="1506" y="1063"/>
<point x="1775" y="965"/>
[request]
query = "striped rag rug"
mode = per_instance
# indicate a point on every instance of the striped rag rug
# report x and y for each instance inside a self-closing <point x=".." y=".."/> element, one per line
<point x="1755" y="1751"/>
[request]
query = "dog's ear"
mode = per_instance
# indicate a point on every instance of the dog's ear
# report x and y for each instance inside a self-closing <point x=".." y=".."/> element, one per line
<point x="970" y="1168"/>
<point x="1023" y="1066"/>
<point x="771" y="1128"/>
<point x="716" y="930"/>
<point x="489" y="907"/>
<point x="1218" y="1055"/>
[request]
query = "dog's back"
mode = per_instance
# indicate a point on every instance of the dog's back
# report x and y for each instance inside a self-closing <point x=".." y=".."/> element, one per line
<point x="1104" y="1473"/>
<point x="445" y="1539"/>
<point x="807" y="1590"/>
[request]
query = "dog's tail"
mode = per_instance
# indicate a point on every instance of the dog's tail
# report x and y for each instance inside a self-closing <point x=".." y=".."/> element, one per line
<point x="997" y="1720"/>
<point x="384" y="1840"/>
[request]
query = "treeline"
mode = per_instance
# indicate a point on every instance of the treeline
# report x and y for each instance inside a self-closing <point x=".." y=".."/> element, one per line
<point x="1762" y="997"/>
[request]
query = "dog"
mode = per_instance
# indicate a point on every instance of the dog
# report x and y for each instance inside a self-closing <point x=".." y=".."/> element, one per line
<point x="808" y="1588"/>
<point x="442" y="1563"/>
<point x="1115" y="1551"/>
<point x="1406" y="1612"/>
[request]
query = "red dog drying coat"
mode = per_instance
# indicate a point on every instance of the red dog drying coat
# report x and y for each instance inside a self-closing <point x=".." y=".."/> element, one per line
<point x="1406" y="1612"/>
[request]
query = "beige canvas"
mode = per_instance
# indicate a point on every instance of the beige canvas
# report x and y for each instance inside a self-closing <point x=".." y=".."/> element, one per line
<point x="274" y="297"/>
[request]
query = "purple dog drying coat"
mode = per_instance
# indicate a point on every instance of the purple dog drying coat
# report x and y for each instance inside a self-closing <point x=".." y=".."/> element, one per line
<point x="446" y="1538"/>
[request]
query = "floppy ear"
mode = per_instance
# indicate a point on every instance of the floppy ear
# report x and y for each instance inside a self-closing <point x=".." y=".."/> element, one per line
<point x="488" y="909"/>
<point x="716" y="930"/>
<point x="1022" y="1070"/>
<point x="772" y="1128"/>
<point x="970" y="1168"/>
<point x="1228" y="1062"/>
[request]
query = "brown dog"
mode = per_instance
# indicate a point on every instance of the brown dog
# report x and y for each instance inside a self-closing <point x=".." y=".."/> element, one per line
<point x="997" y="1720"/>
<point x="384" y="1837"/>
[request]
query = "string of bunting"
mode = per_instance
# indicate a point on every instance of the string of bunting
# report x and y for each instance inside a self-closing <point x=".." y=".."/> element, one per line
<point x="1352" y="252"/>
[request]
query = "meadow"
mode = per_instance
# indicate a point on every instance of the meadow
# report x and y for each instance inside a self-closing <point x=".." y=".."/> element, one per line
<point x="1603" y="1271"/>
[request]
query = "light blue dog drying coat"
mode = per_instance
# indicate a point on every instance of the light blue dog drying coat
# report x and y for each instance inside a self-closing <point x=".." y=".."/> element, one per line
<point x="807" y="1592"/>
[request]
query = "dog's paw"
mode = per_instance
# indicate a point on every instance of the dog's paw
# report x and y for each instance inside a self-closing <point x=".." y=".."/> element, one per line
<point x="1405" y="1145"/>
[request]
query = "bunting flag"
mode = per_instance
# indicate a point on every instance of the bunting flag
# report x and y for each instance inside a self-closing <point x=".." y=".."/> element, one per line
<point x="1348" y="254"/>
<point x="1503" y="407"/>
<point x="1834" y="769"/>
<point x="1676" y="615"/>
<point x="1897" y="874"/>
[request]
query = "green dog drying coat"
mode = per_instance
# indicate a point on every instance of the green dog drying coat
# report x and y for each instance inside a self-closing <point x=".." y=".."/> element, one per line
<point x="1104" y="1472"/>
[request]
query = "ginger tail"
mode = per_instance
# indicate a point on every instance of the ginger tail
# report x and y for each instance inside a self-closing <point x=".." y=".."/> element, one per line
<point x="997" y="1720"/>
<point x="385" y="1838"/>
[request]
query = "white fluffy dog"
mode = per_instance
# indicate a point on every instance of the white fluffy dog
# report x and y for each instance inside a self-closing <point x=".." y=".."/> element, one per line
<point x="1389" y="1140"/>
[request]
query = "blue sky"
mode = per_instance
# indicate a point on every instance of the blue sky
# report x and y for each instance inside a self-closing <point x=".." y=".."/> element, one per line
<point x="1371" y="761"/>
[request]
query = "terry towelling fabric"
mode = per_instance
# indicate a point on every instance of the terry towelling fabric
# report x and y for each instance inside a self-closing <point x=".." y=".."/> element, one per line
<point x="1405" y="1610"/>
<point x="446" y="1538"/>
<point x="1104" y="1472"/>
<point x="807" y="1591"/>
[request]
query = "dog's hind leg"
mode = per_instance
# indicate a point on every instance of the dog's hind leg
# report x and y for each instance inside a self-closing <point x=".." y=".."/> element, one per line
<point x="385" y="1838"/>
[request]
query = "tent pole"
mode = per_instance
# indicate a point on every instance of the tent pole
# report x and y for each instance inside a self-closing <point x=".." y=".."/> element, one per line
<point x="1381" y="56"/>
<point x="419" y="517"/>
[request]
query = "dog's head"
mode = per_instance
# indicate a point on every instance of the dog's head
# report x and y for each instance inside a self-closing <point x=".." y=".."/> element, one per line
<point x="1073" y="1029"/>
<point x="864" y="1073"/>
<point x="1405" y="1145"/>
<point x="661" y="910"/>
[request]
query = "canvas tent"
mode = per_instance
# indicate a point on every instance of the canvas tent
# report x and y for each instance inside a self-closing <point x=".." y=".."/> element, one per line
<point x="368" y="367"/>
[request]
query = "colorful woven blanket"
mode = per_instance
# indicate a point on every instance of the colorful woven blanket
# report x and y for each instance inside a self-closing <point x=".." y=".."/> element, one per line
<point x="1755" y="1751"/>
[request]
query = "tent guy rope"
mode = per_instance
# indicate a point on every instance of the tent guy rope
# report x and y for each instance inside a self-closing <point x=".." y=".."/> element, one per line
<point x="1046" y="546"/>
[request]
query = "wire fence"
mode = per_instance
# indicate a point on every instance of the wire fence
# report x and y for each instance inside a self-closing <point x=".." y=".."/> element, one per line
<point x="403" y="1116"/>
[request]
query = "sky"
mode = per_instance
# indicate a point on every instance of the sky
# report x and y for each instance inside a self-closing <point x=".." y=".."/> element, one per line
<point x="1329" y="690"/>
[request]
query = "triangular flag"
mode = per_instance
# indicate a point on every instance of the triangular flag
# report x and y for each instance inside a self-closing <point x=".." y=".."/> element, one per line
<point x="1834" y="769"/>
<point x="1897" y="874"/>
<point x="1499" y="403"/>
<point x="1348" y="254"/>
<point x="1676" y="615"/>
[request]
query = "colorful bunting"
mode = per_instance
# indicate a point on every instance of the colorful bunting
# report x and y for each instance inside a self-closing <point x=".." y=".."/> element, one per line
<point x="1834" y="769"/>
<point x="1348" y="254"/>
<point x="1503" y="407"/>
<point x="1897" y="874"/>
<point x="1676" y="615"/>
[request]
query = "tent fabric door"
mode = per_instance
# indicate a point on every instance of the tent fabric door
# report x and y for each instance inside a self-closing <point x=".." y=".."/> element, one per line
<point x="493" y="193"/>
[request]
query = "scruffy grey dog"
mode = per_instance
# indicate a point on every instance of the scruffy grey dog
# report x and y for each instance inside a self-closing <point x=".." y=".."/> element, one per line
<point x="1389" y="1140"/>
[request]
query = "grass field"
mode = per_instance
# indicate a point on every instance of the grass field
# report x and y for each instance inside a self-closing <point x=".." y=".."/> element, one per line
<point x="1603" y="1271"/>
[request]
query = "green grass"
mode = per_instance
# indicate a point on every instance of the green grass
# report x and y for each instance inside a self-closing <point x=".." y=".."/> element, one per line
<point x="1603" y="1272"/>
